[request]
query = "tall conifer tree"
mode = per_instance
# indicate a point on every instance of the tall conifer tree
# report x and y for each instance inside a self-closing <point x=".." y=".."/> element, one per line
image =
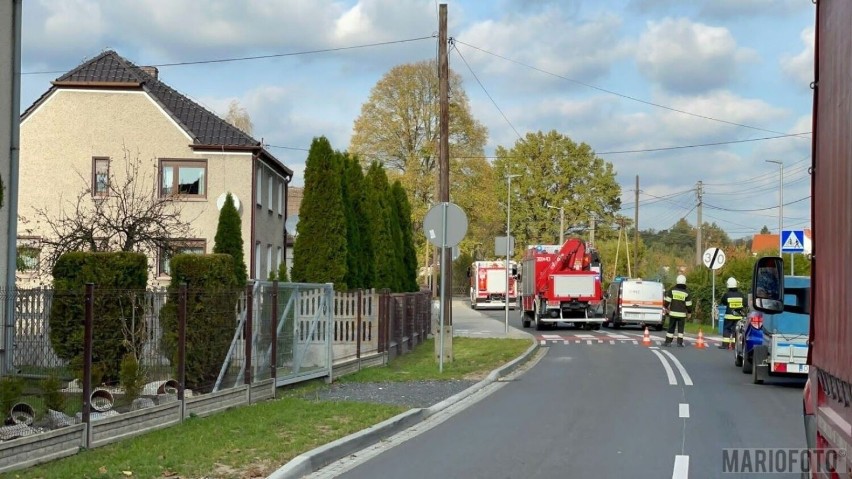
<point x="409" y="254"/>
<point x="229" y="238"/>
<point x="320" y="251"/>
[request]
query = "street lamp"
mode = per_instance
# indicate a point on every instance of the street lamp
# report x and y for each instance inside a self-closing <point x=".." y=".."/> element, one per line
<point x="561" y="221"/>
<point x="781" y="207"/>
<point x="508" y="242"/>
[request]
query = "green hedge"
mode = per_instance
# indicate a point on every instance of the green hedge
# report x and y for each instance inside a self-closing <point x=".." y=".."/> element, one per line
<point x="212" y="296"/>
<point x="120" y="279"/>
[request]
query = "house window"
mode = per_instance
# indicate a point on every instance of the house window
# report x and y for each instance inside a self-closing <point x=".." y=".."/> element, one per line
<point x="28" y="255"/>
<point x="268" y="260"/>
<point x="280" y="198"/>
<point x="270" y="191"/>
<point x="259" y="187"/>
<point x="100" y="176"/>
<point x="280" y="258"/>
<point x="184" y="178"/>
<point x="180" y="247"/>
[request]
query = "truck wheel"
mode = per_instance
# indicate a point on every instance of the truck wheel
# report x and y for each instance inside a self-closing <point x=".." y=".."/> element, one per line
<point x="746" y="364"/>
<point x="757" y="374"/>
<point x="758" y="369"/>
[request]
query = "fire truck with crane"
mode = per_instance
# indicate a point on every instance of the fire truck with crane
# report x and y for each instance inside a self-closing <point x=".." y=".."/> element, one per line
<point x="561" y="284"/>
<point x="827" y="397"/>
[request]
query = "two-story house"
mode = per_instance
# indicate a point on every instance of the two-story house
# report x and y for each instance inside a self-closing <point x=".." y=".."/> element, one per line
<point x="106" y="111"/>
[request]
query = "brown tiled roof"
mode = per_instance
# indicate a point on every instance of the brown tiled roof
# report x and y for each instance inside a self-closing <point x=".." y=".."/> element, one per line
<point x="764" y="242"/>
<point x="111" y="70"/>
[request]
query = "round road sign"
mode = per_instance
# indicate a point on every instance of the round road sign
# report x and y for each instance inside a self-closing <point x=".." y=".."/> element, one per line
<point x="714" y="258"/>
<point x="456" y="221"/>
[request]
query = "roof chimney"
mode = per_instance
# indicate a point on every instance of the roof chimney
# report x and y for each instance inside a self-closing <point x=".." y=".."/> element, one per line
<point x="151" y="71"/>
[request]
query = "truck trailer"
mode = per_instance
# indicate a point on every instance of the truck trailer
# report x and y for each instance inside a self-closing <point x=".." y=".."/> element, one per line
<point x="827" y="401"/>
<point x="560" y="284"/>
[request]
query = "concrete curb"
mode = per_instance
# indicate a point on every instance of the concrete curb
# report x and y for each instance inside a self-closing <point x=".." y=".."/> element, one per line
<point x="315" y="459"/>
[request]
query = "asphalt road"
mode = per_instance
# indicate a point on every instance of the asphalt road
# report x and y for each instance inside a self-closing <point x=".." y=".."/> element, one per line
<point x="602" y="404"/>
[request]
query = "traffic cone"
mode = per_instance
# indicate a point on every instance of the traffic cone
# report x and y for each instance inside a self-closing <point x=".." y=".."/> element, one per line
<point x="700" y="343"/>
<point x="646" y="339"/>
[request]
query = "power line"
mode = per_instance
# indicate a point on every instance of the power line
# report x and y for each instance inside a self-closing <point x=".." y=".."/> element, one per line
<point x="452" y="43"/>
<point x="757" y="209"/>
<point x="628" y="97"/>
<point x="729" y="142"/>
<point x="273" y="55"/>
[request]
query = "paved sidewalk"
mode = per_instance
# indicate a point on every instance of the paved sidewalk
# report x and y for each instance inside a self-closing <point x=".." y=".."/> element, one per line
<point x="473" y="324"/>
<point x="466" y="323"/>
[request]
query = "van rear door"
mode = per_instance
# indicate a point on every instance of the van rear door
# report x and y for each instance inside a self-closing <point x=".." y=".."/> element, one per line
<point x="642" y="301"/>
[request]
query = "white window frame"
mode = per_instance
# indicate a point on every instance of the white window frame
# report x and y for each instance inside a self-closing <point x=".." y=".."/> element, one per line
<point x="280" y="198"/>
<point x="257" y="261"/>
<point x="280" y="258"/>
<point x="259" y="195"/>
<point x="270" y="191"/>
<point x="268" y="260"/>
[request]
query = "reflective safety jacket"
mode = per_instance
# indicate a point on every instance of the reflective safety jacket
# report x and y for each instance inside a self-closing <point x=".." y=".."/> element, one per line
<point x="735" y="302"/>
<point x="678" y="301"/>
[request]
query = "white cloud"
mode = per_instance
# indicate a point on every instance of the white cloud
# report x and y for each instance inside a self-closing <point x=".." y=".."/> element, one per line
<point x="547" y="40"/>
<point x="687" y="57"/>
<point x="800" y="67"/>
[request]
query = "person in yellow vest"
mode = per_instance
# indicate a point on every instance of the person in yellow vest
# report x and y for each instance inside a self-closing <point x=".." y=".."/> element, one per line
<point x="734" y="302"/>
<point x="678" y="304"/>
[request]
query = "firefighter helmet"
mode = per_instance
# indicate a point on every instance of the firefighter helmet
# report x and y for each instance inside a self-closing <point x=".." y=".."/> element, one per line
<point x="681" y="279"/>
<point x="732" y="283"/>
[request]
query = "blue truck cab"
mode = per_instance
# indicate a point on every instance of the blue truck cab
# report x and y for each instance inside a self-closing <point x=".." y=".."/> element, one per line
<point x="776" y="344"/>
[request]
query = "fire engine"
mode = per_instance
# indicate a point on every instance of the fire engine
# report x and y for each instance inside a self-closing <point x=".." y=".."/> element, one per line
<point x="488" y="284"/>
<point x="561" y="284"/>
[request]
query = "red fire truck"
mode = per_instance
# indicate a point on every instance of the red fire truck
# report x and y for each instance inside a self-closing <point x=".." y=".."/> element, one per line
<point x="561" y="284"/>
<point x="488" y="284"/>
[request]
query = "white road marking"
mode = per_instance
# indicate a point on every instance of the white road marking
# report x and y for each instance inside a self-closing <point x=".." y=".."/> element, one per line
<point x="635" y="342"/>
<point x="551" y="336"/>
<point x="588" y="341"/>
<point x="585" y="336"/>
<point x="611" y="341"/>
<point x="577" y="341"/>
<point x="543" y="342"/>
<point x="686" y="379"/>
<point x="565" y="342"/>
<point x="681" y="467"/>
<point x="653" y="347"/>
<point x="669" y="372"/>
<point x="683" y="410"/>
<point x="618" y="336"/>
<point x="600" y="341"/>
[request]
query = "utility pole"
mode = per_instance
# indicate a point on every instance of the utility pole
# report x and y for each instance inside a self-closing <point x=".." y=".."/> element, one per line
<point x="592" y="232"/>
<point x="698" y="250"/>
<point x="444" y="162"/>
<point x="636" y="230"/>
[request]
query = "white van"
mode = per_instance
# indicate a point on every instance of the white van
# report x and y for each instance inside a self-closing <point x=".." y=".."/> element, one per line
<point x="634" y="302"/>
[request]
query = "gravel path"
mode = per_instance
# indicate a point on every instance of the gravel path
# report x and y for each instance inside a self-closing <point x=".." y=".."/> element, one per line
<point x="414" y="394"/>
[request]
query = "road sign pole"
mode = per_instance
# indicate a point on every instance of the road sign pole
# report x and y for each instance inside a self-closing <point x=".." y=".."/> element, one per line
<point x="713" y="303"/>
<point x="443" y="281"/>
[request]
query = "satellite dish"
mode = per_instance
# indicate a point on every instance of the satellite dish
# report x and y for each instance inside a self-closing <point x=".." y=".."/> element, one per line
<point x="291" y="224"/>
<point x="220" y="201"/>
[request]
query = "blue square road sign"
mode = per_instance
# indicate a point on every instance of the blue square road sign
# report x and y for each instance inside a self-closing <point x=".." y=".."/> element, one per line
<point x="792" y="241"/>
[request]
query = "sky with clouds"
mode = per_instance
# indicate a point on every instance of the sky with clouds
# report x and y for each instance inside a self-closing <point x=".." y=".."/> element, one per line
<point x="644" y="82"/>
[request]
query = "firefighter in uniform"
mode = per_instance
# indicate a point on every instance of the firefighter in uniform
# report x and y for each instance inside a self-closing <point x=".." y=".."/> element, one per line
<point x="678" y="303"/>
<point x="734" y="302"/>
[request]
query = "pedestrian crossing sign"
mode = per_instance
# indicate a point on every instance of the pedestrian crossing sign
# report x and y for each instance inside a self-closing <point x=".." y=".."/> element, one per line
<point x="792" y="241"/>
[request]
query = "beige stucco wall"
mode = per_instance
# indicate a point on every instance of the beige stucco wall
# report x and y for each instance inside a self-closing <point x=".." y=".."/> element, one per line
<point x="60" y="138"/>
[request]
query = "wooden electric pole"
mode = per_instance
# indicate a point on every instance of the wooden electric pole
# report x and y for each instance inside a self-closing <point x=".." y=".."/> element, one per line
<point x="444" y="165"/>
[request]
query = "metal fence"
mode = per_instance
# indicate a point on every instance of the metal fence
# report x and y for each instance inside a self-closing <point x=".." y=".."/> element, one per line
<point x="86" y="355"/>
